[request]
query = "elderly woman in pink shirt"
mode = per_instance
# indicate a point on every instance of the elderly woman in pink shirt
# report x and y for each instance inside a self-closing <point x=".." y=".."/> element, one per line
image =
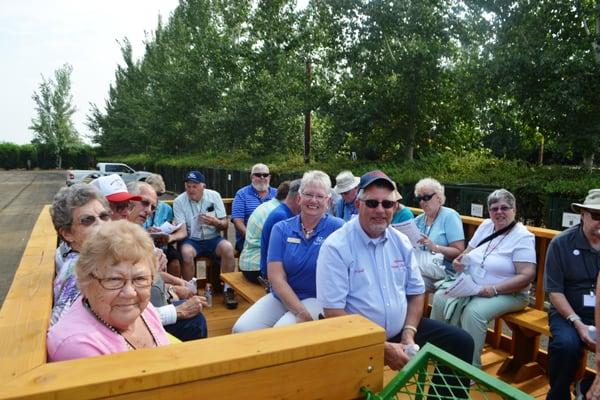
<point x="114" y="273"/>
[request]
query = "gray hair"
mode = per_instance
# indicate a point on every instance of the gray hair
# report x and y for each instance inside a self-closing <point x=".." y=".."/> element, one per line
<point x="294" y="188"/>
<point x="501" y="195"/>
<point x="316" y="178"/>
<point x="157" y="182"/>
<point x="259" y="166"/>
<point x="111" y="244"/>
<point x="70" y="197"/>
<point x="431" y="183"/>
<point x="134" y="187"/>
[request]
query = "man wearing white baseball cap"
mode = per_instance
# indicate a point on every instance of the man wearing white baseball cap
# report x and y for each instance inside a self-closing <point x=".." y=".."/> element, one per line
<point x="113" y="188"/>
<point x="572" y="264"/>
<point x="346" y="185"/>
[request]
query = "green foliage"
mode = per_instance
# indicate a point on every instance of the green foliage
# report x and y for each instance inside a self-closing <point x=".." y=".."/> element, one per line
<point x="52" y="124"/>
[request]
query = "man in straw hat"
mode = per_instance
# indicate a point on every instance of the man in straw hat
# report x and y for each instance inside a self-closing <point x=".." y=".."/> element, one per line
<point x="572" y="266"/>
<point x="346" y="185"/>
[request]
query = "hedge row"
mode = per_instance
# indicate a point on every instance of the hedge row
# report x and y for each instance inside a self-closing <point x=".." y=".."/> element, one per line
<point x="29" y="156"/>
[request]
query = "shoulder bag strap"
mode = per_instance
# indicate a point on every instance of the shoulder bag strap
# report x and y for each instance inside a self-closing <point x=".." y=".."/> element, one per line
<point x="496" y="234"/>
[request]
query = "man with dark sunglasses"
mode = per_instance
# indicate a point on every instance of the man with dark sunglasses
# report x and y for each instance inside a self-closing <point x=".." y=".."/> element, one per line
<point x="366" y="267"/>
<point x="248" y="198"/>
<point x="113" y="188"/>
<point x="572" y="265"/>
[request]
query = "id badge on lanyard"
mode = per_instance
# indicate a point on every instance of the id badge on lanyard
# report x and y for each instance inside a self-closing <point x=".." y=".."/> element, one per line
<point x="589" y="300"/>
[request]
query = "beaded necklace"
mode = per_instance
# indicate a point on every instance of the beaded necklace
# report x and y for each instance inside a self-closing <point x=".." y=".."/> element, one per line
<point x="130" y="345"/>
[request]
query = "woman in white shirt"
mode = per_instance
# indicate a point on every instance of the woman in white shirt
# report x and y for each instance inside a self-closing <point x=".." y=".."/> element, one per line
<point x="501" y="259"/>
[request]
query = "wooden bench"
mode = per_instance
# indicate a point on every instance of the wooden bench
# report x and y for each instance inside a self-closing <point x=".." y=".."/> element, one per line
<point x="285" y="362"/>
<point x="244" y="288"/>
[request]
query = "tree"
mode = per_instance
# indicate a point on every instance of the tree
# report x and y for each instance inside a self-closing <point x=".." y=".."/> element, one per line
<point x="54" y="107"/>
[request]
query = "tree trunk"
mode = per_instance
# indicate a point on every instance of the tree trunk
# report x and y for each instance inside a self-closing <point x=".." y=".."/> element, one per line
<point x="588" y="161"/>
<point x="409" y="150"/>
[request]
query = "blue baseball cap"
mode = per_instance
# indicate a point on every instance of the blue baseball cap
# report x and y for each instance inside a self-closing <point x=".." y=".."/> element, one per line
<point x="377" y="175"/>
<point x="194" y="176"/>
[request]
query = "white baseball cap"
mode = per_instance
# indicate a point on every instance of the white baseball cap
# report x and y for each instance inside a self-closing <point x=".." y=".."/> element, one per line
<point x="113" y="188"/>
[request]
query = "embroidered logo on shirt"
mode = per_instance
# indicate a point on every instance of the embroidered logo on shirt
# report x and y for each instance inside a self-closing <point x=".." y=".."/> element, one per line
<point x="398" y="263"/>
<point x="358" y="270"/>
<point x="318" y="240"/>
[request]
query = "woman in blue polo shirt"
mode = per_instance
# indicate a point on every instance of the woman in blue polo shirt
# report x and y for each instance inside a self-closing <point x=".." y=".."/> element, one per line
<point x="292" y="260"/>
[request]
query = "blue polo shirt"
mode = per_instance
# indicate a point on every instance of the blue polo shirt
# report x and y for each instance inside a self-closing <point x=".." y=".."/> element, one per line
<point x="299" y="255"/>
<point x="282" y="212"/>
<point x="369" y="277"/>
<point x="245" y="201"/>
<point x="345" y="210"/>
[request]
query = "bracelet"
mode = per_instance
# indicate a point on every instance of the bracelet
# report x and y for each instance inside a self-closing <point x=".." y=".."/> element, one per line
<point x="495" y="290"/>
<point x="410" y="328"/>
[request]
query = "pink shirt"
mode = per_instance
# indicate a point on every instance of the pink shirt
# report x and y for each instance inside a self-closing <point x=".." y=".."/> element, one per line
<point x="78" y="334"/>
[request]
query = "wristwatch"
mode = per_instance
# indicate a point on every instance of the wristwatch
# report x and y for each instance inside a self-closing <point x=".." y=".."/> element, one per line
<point x="573" y="317"/>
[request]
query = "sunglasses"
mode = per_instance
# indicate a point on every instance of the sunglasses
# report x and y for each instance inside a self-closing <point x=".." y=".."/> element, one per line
<point x="120" y="206"/>
<point x="595" y="216"/>
<point x="147" y="204"/>
<point x="501" y="208"/>
<point x="89" y="220"/>
<point x="387" y="204"/>
<point x="259" y="175"/>
<point x="425" y="197"/>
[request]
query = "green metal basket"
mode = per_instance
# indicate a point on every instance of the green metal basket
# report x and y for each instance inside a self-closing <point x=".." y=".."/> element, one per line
<point x="434" y="373"/>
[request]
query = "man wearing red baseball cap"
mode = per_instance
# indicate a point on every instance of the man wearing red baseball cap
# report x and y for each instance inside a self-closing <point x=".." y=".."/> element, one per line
<point x="113" y="188"/>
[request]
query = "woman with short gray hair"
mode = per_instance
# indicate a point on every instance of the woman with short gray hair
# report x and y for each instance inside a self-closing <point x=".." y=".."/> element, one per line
<point x="76" y="212"/>
<point x="500" y="259"/>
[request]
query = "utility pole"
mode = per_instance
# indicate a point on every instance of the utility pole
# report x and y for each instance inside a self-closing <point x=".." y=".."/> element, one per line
<point x="307" y="116"/>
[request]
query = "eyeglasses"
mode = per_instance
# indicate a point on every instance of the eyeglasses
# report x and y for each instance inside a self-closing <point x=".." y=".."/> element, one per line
<point x="595" y="216"/>
<point x="501" y="208"/>
<point x="387" y="204"/>
<point x="259" y="175"/>
<point x="147" y="204"/>
<point x="312" y="196"/>
<point x="115" y="283"/>
<point x="89" y="220"/>
<point x="120" y="206"/>
<point x="425" y="197"/>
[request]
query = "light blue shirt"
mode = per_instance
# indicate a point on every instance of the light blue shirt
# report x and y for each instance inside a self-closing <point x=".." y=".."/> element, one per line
<point x="366" y="276"/>
<point x="185" y="210"/>
<point x="447" y="227"/>
<point x="250" y="255"/>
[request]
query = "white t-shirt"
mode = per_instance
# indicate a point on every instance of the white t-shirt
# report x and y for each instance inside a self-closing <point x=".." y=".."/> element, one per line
<point x="500" y="254"/>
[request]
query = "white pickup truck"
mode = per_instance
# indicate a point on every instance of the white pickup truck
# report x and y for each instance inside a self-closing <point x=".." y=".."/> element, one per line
<point x="125" y="171"/>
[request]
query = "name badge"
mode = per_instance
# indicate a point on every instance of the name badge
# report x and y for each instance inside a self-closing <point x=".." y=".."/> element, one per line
<point x="293" y="240"/>
<point x="479" y="272"/>
<point x="589" y="300"/>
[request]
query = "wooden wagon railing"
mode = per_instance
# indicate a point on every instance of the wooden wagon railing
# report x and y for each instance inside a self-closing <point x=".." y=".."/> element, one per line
<point x="285" y="362"/>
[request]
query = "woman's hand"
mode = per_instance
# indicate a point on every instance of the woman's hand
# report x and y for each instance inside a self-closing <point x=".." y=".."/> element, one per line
<point x="183" y="292"/>
<point x="425" y="241"/>
<point x="457" y="264"/>
<point x="303" y="316"/>
<point x="191" y="307"/>
<point x="487" y="291"/>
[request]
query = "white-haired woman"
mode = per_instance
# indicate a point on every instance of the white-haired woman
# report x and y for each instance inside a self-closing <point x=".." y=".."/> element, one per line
<point x="501" y="260"/>
<point x="292" y="260"/>
<point x="114" y="273"/>
<point x="441" y="228"/>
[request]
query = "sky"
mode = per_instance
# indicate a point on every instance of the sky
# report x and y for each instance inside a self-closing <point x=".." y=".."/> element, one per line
<point x="39" y="36"/>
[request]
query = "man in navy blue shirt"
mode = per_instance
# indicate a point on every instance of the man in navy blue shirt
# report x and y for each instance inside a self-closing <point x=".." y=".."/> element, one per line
<point x="248" y="198"/>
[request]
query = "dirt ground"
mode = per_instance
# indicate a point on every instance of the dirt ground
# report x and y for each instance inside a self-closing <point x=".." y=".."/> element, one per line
<point x="22" y="195"/>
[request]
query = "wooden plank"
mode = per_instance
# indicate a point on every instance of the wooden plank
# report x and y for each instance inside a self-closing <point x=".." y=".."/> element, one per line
<point x="346" y="372"/>
<point x="151" y="369"/>
<point x="530" y="318"/>
<point x="248" y="290"/>
<point x="25" y="314"/>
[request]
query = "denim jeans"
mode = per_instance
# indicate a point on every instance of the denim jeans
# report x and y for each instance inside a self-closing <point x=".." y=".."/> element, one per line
<point x="565" y="351"/>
